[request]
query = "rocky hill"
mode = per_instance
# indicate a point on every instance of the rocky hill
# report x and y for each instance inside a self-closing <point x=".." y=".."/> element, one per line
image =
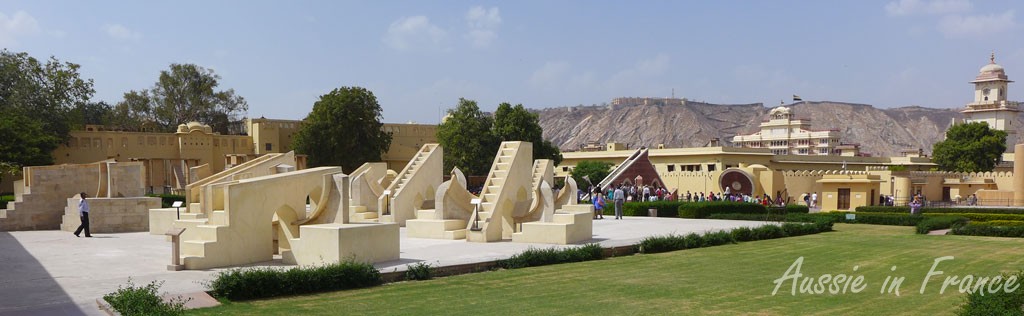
<point x="879" y="131"/>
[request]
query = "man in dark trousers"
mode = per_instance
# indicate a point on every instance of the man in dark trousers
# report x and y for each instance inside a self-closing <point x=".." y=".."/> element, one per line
<point x="83" y="213"/>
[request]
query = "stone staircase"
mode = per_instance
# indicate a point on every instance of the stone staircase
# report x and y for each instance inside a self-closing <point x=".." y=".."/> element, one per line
<point x="607" y="181"/>
<point x="416" y="184"/>
<point x="368" y="183"/>
<point x="571" y="224"/>
<point x="215" y="239"/>
<point x="447" y="217"/>
<point x="507" y="186"/>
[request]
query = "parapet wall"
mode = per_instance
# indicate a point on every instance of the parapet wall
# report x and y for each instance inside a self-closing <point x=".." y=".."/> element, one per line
<point x="42" y="197"/>
<point x="111" y="215"/>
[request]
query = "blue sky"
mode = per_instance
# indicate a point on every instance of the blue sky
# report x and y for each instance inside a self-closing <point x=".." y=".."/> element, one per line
<point x="421" y="56"/>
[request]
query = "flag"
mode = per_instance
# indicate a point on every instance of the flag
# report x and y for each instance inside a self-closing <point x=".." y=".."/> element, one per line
<point x="797" y="98"/>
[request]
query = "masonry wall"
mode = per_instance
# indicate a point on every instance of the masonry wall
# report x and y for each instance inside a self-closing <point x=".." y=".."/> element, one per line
<point x="111" y="215"/>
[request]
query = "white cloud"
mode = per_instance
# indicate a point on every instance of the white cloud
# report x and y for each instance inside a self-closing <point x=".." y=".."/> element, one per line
<point x="912" y="7"/>
<point x="220" y="53"/>
<point x="19" y="25"/>
<point x="120" y="32"/>
<point x="550" y="75"/>
<point x="413" y="33"/>
<point x="955" y="26"/>
<point x="483" y="24"/>
<point x="480" y="18"/>
<point x="643" y="70"/>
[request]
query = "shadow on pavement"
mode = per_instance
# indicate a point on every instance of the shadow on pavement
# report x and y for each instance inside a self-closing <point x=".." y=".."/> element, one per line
<point x="26" y="288"/>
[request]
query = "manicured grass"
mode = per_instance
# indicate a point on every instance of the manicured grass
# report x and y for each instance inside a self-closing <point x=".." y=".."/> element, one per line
<point x="723" y="280"/>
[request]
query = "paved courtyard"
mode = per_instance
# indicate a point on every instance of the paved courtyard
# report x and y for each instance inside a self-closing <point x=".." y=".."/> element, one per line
<point x="55" y="273"/>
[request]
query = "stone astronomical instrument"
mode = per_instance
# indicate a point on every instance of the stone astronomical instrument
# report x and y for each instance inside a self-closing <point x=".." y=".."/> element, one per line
<point x="738" y="182"/>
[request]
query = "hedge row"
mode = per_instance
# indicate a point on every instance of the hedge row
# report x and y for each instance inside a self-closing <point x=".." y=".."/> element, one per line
<point x="987" y="230"/>
<point x="985" y="303"/>
<point x="984" y="217"/>
<point x="923" y="224"/>
<point x="937" y="210"/>
<point x="254" y="283"/>
<point x="999" y="223"/>
<point x="167" y="199"/>
<point x="676" y="208"/>
<point x="672" y="242"/>
<point x="533" y="257"/>
<point x="665" y="208"/>
<point x="931" y="223"/>
<point x="705" y="209"/>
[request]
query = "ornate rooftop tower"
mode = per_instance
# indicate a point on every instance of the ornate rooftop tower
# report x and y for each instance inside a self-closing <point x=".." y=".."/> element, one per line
<point x="990" y="101"/>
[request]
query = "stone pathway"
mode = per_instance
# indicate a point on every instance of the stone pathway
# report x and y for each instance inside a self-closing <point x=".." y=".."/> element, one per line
<point x="54" y="273"/>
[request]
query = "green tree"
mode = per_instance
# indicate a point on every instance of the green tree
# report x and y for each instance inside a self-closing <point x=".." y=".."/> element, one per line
<point x="592" y="169"/>
<point x="37" y="101"/>
<point x="970" y="147"/>
<point x="344" y="129"/>
<point x="465" y="135"/>
<point x="182" y="94"/>
<point x="516" y="123"/>
<point x="95" y="113"/>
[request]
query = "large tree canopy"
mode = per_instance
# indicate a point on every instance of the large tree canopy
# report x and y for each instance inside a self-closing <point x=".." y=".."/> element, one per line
<point x="466" y="137"/>
<point x="519" y="124"/>
<point x="970" y="147"/>
<point x="37" y="102"/>
<point x="344" y="129"/>
<point x="471" y="138"/>
<point x="593" y="170"/>
<point x="182" y="94"/>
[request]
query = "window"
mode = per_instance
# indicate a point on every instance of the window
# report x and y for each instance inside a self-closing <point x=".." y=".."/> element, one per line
<point x="671" y="168"/>
<point x="711" y="168"/>
<point x="269" y="146"/>
<point x="565" y="169"/>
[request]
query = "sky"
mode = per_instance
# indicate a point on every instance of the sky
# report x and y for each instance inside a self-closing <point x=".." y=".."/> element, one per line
<point x="420" y="57"/>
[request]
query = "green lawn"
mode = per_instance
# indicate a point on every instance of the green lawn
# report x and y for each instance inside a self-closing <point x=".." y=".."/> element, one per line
<point x="723" y="280"/>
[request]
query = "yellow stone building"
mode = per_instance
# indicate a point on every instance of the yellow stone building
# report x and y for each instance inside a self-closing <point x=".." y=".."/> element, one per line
<point x="172" y="160"/>
<point x="785" y="134"/>
<point x="788" y="159"/>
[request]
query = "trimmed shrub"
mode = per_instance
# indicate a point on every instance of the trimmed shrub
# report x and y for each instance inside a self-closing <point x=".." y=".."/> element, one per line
<point x="887" y="219"/>
<point x="937" y="210"/>
<point x="672" y="242"/>
<point x="999" y="223"/>
<point x="665" y="243"/>
<point x="984" y="303"/>
<point x="704" y="209"/>
<point x="167" y="199"/>
<point x="533" y="257"/>
<point x="931" y="223"/>
<point x="883" y="209"/>
<point x="984" y="217"/>
<point x="742" y="234"/>
<point x="794" y="229"/>
<point x="788" y="209"/>
<point x="990" y="231"/>
<point x="768" y="232"/>
<point x="693" y="240"/>
<point x="419" y="271"/>
<point x="143" y="300"/>
<point x="718" y="238"/>
<point x="253" y="283"/>
<point x="665" y="208"/>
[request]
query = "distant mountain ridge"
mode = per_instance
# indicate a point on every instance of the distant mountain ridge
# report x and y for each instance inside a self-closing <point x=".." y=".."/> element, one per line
<point x="881" y="132"/>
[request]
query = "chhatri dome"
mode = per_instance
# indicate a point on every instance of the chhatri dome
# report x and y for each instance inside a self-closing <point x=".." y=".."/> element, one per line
<point x="991" y="71"/>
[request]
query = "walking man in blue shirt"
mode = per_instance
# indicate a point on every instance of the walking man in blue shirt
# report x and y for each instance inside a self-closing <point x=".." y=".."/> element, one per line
<point x="83" y="213"/>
